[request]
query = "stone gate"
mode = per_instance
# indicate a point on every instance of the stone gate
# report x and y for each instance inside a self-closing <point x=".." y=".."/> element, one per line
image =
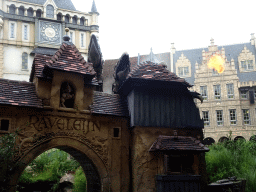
<point x="123" y="141"/>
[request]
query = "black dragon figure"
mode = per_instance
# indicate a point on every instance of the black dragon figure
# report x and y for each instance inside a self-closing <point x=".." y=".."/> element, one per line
<point x="95" y="57"/>
<point x="121" y="71"/>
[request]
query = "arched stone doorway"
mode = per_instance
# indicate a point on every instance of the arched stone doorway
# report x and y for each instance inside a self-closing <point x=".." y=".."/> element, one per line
<point x="94" y="168"/>
<point x="208" y="141"/>
<point x="239" y="138"/>
<point x="223" y="139"/>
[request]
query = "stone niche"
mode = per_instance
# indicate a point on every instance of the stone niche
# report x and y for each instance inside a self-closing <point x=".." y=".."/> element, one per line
<point x="64" y="87"/>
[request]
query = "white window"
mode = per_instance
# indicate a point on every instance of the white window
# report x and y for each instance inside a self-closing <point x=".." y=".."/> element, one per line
<point x="230" y="91"/>
<point x="206" y="118"/>
<point x="82" y="40"/>
<point x="72" y="36"/>
<point x="25" y="32"/>
<point x="247" y="65"/>
<point x="232" y="115"/>
<point x="12" y="30"/>
<point x="217" y="92"/>
<point x="246" y="116"/>
<point x="183" y="71"/>
<point x="203" y="91"/>
<point x="244" y="94"/>
<point x="219" y="114"/>
<point x="24" y="61"/>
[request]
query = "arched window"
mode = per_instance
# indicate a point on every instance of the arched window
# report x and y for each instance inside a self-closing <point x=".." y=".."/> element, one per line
<point x="223" y="139"/>
<point x="67" y="18"/>
<point x="21" y="11"/>
<point x="67" y="95"/>
<point x="12" y="9"/>
<point x="50" y="11"/>
<point x="82" y="21"/>
<point x="38" y="13"/>
<point x="59" y="17"/>
<point x="30" y="12"/>
<point x="74" y="20"/>
<point x="24" y="61"/>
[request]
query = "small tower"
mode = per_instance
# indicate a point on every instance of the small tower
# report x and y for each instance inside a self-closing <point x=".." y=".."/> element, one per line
<point x="94" y="22"/>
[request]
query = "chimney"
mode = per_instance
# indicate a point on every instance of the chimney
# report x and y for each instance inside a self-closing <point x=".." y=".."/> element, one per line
<point x="173" y="48"/>
<point x="252" y="39"/>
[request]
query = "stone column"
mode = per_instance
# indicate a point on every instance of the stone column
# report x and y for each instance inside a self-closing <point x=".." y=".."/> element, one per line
<point x="16" y="10"/>
<point x="25" y="12"/>
<point x="34" y="13"/>
<point x="78" y="21"/>
<point x="8" y="8"/>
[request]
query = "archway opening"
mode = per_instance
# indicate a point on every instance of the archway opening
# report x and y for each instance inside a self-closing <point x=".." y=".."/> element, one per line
<point x="223" y="139"/>
<point x="241" y="138"/>
<point x="208" y="141"/>
<point x="53" y="170"/>
<point x="94" y="170"/>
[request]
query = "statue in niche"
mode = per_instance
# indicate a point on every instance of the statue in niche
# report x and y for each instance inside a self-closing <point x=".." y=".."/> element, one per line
<point x="67" y="95"/>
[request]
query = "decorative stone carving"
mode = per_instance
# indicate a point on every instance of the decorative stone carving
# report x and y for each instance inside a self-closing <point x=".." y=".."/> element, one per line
<point x="67" y="95"/>
<point x="49" y="32"/>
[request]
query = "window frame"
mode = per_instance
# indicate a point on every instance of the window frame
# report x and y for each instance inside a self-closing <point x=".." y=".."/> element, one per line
<point x="204" y="92"/>
<point x="12" y="31"/>
<point x="230" y="94"/>
<point x="24" y="25"/>
<point x="24" y="64"/>
<point x="246" y="120"/>
<point x="242" y="94"/>
<point x="232" y="121"/>
<point x="247" y="65"/>
<point x="217" y="89"/>
<point x="72" y="38"/>
<point x="48" y="13"/>
<point x="219" y="122"/>
<point x="184" y="70"/>
<point x="9" y="127"/>
<point x="206" y="123"/>
<point x="82" y="40"/>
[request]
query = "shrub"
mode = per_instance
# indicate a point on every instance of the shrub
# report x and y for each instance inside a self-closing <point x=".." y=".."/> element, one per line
<point x="232" y="159"/>
<point x="80" y="181"/>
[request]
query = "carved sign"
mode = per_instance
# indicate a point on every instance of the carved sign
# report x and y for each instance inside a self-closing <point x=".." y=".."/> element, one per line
<point x="61" y="123"/>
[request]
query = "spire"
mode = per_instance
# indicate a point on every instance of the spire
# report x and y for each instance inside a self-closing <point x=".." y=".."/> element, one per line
<point x="94" y="9"/>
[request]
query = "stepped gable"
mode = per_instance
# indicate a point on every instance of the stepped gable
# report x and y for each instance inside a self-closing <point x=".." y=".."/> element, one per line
<point x="177" y="143"/>
<point x="109" y="104"/>
<point x="19" y="93"/>
<point x="68" y="58"/>
<point x="149" y="70"/>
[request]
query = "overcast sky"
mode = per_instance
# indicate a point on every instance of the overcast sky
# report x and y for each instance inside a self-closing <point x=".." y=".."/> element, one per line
<point x="134" y="26"/>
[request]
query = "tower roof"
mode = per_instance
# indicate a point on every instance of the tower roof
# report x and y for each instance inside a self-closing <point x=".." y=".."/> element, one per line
<point x="63" y="4"/>
<point x="94" y="8"/>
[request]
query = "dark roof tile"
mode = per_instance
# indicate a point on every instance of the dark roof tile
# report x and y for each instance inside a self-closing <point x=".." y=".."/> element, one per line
<point x="19" y="93"/>
<point x="109" y="104"/>
<point x="177" y="143"/>
<point x="149" y="70"/>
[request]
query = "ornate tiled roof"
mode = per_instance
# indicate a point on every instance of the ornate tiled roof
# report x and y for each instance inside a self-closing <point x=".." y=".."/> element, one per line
<point x="177" y="143"/>
<point x="68" y="58"/>
<point x="109" y="104"/>
<point x="19" y="93"/>
<point x="152" y="71"/>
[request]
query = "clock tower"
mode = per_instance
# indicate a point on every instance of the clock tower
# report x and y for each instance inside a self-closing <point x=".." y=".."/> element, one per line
<point x="30" y="27"/>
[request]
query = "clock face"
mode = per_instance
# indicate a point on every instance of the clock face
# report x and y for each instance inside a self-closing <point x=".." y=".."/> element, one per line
<point x="49" y="32"/>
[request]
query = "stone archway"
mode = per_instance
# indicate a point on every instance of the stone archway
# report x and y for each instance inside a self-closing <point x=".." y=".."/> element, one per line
<point x="94" y="168"/>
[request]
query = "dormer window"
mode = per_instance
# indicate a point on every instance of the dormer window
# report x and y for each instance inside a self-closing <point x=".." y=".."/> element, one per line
<point x="247" y="65"/>
<point x="38" y="13"/>
<point x="50" y="11"/>
<point x="67" y="95"/>
<point x="183" y="71"/>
